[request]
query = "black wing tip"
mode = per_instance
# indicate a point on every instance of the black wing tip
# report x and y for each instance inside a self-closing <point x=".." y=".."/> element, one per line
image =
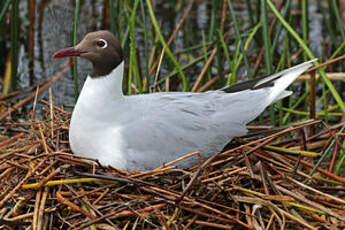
<point x="252" y="84"/>
<point x="249" y="84"/>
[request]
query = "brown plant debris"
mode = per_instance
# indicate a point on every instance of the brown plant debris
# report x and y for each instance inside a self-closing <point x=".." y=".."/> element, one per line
<point x="265" y="182"/>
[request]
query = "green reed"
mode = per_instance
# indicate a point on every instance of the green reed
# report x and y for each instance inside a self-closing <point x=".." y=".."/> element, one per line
<point x="133" y="64"/>
<point x="75" y="42"/>
<point x="14" y="42"/>
<point x="166" y="48"/>
<point x="112" y="18"/>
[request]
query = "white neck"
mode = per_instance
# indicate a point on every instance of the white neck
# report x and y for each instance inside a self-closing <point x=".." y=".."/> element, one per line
<point x="99" y="95"/>
<point x="109" y="86"/>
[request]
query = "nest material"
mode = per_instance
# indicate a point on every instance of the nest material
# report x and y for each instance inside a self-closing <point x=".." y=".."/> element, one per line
<point x="260" y="184"/>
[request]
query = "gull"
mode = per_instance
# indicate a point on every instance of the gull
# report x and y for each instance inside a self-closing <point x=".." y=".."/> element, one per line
<point x="142" y="132"/>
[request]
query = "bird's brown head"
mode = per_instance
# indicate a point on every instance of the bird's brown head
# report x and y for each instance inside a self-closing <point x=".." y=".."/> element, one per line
<point x="101" y="48"/>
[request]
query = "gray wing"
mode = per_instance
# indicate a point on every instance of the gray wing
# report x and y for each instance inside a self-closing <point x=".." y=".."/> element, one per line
<point x="169" y="125"/>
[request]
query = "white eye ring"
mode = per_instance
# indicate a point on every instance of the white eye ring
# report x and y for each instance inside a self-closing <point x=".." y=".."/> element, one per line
<point x="101" y="43"/>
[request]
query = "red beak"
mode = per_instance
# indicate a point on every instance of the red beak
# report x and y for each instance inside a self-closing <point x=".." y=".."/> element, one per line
<point x="67" y="52"/>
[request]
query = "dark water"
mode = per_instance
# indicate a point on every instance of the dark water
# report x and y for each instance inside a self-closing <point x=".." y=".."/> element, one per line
<point x="55" y="32"/>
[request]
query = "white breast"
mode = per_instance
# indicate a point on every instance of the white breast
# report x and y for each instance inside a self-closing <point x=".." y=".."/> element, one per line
<point x="95" y="130"/>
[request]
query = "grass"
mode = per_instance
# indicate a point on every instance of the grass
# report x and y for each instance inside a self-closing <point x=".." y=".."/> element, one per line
<point x="75" y="42"/>
<point x="14" y="42"/>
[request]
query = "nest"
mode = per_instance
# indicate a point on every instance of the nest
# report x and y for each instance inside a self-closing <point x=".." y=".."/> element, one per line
<point x="262" y="183"/>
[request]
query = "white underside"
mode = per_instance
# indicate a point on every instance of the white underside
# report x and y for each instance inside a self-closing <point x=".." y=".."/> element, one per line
<point x="142" y="132"/>
<point x="94" y="130"/>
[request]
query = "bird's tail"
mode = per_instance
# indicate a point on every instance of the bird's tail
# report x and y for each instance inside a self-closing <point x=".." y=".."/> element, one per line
<point x="282" y="80"/>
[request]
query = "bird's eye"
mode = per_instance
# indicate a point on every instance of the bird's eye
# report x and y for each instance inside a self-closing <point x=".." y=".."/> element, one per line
<point x="101" y="43"/>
